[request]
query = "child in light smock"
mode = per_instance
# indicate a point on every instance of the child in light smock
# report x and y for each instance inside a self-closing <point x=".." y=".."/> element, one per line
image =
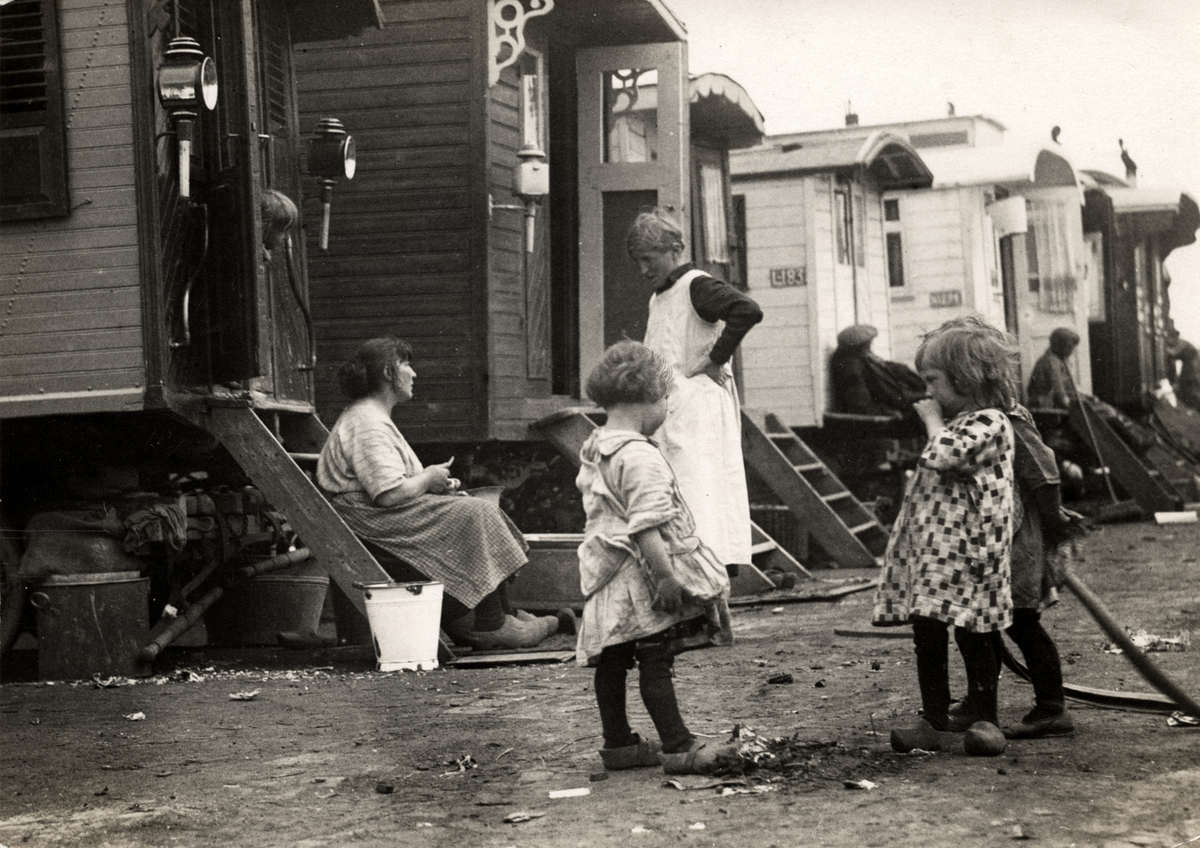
<point x="651" y="587"/>
<point x="948" y="559"/>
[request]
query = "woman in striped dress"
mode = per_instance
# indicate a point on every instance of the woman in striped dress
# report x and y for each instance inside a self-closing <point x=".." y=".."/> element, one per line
<point x="418" y="514"/>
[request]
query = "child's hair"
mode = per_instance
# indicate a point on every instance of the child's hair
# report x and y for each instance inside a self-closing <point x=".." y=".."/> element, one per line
<point x="365" y="372"/>
<point x="653" y="230"/>
<point x="978" y="359"/>
<point x="629" y="372"/>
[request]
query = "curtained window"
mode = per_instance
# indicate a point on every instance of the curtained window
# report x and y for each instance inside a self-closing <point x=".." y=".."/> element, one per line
<point x="1050" y="251"/>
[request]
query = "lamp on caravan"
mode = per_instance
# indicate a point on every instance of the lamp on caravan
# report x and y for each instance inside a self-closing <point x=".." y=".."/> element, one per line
<point x="187" y="80"/>
<point x="331" y="157"/>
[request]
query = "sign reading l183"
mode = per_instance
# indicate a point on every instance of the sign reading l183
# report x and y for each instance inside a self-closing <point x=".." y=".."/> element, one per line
<point x="784" y="277"/>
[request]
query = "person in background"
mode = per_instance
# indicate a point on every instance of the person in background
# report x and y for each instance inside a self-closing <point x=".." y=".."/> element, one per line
<point x="1185" y="381"/>
<point x="651" y="587"/>
<point x="864" y="383"/>
<point x="948" y="560"/>
<point x="1050" y="383"/>
<point x="695" y="323"/>
<point x="417" y="514"/>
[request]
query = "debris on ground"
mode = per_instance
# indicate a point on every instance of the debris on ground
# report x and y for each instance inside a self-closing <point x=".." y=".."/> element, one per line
<point x="865" y="784"/>
<point x="576" y="792"/>
<point x="249" y="695"/>
<point x="1182" y="719"/>
<point x="782" y="678"/>
<point x="1152" y="642"/>
<point x="138" y="716"/>
<point x="523" y="816"/>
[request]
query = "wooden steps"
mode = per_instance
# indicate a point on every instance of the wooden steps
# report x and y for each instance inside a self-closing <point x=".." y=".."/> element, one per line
<point x="569" y="428"/>
<point x="847" y="530"/>
<point x="1144" y="484"/>
<point x="259" y="448"/>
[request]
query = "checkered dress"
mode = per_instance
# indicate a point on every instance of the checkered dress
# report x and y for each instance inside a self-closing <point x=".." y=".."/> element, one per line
<point x="949" y="554"/>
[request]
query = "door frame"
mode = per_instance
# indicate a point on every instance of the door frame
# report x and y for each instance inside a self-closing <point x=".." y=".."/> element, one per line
<point x="667" y="175"/>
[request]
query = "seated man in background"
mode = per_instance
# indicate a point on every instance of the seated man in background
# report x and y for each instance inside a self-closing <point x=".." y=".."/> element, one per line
<point x="1050" y="383"/>
<point x="865" y="384"/>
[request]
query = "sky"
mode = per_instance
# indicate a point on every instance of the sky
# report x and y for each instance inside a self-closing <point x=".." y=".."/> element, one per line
<point x="1099" y="69"/>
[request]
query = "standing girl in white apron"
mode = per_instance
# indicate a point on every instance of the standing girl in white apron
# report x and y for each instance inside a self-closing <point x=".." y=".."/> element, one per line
<point x="695" y="323"/>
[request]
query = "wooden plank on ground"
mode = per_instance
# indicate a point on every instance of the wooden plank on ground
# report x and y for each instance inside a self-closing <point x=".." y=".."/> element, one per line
<point x="483" y="658"/>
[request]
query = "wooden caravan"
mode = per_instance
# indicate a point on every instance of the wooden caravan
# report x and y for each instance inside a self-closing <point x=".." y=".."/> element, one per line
<point x="999" y="234"/>
<point x="121" y="290"/>
<point x="1129" y="233"/>
<point x="147" y="304"/>
<point x="817" y="257"/>
<point x="1017" y="240"/>
<point x="505" y="147"/>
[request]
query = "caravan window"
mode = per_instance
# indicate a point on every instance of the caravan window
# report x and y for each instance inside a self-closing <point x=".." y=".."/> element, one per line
<point x="33" y="176"/>
<point x="841" y="222"/>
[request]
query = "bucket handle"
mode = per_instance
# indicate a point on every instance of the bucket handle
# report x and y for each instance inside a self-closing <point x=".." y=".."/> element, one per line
<point x="413" y="588"/>
<point x="41" y="601"/>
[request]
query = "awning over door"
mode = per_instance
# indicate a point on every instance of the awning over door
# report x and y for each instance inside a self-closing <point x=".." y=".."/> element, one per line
<point x="889" y="158"/>
<point x="723" y="111"/>
<point x="1009" y="164"/>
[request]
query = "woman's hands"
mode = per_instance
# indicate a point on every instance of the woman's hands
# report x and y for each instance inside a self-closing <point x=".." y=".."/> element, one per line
<point x="438" y="479"/>
<point x="703" y="365"/>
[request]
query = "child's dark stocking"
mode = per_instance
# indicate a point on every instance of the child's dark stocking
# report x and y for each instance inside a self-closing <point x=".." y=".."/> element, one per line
<point x="933" y="671"/>
<point x="655" y="664"/>
<point x="932" y="649"/>
<point x="1041" y="657"/>
<point x="1049" y="716"/>
<point x="983" y="672"/>
<point x="611" y="670"/>
<point x="983" y="738"/>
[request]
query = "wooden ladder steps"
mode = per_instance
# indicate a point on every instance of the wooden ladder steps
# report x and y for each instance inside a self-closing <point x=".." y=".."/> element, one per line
<point x="816" y="497"/>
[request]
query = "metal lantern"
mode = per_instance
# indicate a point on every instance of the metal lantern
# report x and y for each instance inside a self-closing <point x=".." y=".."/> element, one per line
<point x="187" y="80"/>
<point x="331" y="157"/>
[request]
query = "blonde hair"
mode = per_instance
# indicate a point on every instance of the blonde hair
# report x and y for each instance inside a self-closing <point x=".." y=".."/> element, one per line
<point x="653" y="230"/>
<point x="978" y="359"/>
<point x="629" y="372"/>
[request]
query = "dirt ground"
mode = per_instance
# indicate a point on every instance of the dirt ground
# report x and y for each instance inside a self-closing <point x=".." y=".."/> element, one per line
<point x="304" y="762"/>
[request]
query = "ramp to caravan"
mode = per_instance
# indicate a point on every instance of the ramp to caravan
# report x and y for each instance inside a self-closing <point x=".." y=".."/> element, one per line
<point x="847" y="530"/>
<point x="1146" y="485"/>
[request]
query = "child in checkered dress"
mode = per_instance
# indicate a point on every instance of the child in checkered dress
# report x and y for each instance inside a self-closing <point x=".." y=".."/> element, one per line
<point x="947" y="563"/>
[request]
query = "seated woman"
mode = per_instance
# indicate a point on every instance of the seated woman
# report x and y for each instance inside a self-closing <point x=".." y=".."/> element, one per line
<point x="418" y="514"/>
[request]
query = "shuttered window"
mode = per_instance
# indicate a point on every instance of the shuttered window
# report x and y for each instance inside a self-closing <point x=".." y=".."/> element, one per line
<point x="33" y="154"/>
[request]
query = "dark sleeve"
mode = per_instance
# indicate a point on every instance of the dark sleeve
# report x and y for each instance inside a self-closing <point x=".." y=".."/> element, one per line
<point x="713" y="301"/>
<point x="850" y="390"/>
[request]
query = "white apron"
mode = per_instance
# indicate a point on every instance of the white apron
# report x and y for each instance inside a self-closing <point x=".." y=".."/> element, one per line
<point x="701" y="436"/>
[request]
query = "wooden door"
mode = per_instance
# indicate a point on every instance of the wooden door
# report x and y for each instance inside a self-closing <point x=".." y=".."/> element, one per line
<point x="632" y="152"/>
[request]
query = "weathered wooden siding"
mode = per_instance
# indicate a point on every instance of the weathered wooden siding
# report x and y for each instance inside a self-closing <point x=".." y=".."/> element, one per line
<point x="71" y="325"/>
<point x="517" y="283"/>
<point x="936" y="259"/>
<point x="776" y="355"/>
<point x="406" y="243"/>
